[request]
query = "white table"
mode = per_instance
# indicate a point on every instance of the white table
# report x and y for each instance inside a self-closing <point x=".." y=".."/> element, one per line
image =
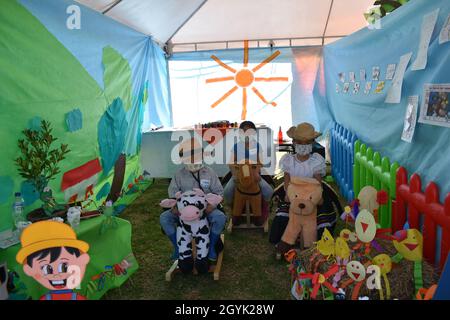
<point x="157" y="147"/>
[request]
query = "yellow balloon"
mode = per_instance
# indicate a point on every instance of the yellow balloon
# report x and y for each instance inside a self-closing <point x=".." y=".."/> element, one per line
<point x="326" y="244"/>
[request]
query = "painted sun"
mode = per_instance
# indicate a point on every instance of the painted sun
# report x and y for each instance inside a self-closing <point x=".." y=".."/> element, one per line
<point x="245" y="78"/>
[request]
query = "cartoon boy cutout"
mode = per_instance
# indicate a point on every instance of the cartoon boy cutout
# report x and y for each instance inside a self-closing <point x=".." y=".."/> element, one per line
<point x="54" y="257"/>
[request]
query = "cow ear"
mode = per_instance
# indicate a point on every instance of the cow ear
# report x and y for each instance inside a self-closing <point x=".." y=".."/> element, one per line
<point x="168" y="203"/>
<point x="213" y="199"/>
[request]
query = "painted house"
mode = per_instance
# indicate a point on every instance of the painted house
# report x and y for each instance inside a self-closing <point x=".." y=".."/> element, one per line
<point x="78" y="184"/>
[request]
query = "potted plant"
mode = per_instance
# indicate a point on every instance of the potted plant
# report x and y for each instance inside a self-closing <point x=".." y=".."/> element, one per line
<point x="38" y="164"/>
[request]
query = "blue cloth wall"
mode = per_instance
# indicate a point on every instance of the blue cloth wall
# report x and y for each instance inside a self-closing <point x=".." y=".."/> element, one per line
<point x="146" y="59"/>
<point x="379" y="124"/>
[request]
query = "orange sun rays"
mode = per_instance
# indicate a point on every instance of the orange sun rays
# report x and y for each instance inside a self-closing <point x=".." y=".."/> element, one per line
<point x="244" y="78"/>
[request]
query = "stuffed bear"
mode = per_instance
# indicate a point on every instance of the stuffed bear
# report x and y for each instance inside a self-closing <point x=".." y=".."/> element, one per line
<point x="304" y="195"/>
<point x="193" y="225"/>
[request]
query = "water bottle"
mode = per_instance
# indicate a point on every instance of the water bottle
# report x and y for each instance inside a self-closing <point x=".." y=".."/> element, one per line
<point x="18" y="210"/>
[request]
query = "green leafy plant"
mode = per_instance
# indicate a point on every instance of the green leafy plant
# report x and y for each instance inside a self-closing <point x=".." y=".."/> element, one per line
<point x="382" y="8"/>
<point x="38" y="162"/>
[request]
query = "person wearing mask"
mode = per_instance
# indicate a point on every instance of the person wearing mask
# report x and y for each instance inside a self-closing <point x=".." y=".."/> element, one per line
<point x="247" y="149"/>
<point x="194" y="174"/>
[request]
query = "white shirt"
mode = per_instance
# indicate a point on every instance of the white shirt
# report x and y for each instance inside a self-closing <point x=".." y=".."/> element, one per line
<point x="290" y="164"/>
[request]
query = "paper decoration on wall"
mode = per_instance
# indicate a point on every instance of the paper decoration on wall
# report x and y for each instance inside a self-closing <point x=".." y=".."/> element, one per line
<point x="346" y="87"/>
<point x="337" y="88"/>
<point x="6" y="188"/>
<point x="435" y="107"/>
<point x="351" y="76"/>
<point x="112" y="129"/>
<point x="135" y="119"/>
<point x="362" y="75"/>
<point x="428" y="23"/>
<point x="368" y="87"/>
<point x="117" y="77"/>
<point x="104" y="191"/>
<point x="74" y="120"/>
<point x="395" y="92"/>
<point x="409" y="125"/>
<point x="444" y="35"/>
<point x="35" y="124"/>
<point x="390" y="71"/>
<point x="376" y="73"/>
<point x="245" y="78"/>
<point x="380" y="87"/>
<point x="78" y="184"/>
<point x="29" y="193"/>
<point x="341" y="76"/>
<point x="356" y="87"/>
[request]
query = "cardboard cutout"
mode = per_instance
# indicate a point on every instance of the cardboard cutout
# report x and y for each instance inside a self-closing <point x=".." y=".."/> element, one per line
<point x="365" y="226"/>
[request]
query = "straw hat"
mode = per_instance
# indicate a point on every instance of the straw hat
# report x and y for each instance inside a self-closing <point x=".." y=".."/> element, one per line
<point x="48" y="234"/>
<point x="303" y="132"/>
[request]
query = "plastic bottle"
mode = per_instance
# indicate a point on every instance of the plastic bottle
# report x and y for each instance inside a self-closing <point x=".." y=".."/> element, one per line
<point x="18" y="210"/>
<point x="280" y="136"/>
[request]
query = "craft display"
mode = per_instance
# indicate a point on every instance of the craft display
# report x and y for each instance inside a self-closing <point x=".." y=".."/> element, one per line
<point x="193" y="228"/>
<point x="304" y="195"/>
<point x="367" y="263"/>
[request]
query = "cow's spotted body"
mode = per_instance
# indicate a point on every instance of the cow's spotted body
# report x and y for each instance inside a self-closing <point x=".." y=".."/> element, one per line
<point x="193" y="225"/>
<point x="197" y="230"/>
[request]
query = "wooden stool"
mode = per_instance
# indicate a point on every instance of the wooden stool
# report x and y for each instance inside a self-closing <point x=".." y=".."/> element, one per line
<point x="248" y="224"/>
<point x="215" y="269"/>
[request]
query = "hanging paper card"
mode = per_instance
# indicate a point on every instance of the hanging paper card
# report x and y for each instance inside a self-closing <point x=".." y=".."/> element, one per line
<point x="356" y="271"/>
<point x="351" y="76"/>
<point x="380" y="87"/>
<point x="428" y="23"/>
<point x="356" y="88"/>
<point x="346" y="87"/>
<point x="337" y="88"/>
<point x="365" y="226"/>
<point x="390" y="71"/>
<point x="435" y="107"/>
<point x="410" y="119"/>
<point x="362" y="75"/>
<point x="395" y="92"/>
<point x="341" y="76"/>
<point x="444" y="35"/>
<point x="376" y="73"/>
<point x="368" y="87"/>
<point x="409" y="243"/>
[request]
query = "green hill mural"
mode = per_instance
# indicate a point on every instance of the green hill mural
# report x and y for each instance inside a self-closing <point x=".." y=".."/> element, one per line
<point x="41" y="79"/>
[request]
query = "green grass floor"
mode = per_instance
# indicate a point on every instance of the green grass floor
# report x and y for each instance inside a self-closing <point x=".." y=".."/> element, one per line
<point x="249" y="269"/>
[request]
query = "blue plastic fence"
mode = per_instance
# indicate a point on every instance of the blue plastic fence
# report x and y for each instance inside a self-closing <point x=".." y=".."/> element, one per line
<point x="342" y="146"/>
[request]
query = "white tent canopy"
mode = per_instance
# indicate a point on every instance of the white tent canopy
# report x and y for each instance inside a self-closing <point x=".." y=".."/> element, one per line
<point x="218" y="24"/>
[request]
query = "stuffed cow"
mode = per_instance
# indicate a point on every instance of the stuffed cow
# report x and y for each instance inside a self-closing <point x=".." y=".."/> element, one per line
<point x="304" y="195"/>
<point x="193" y="225"/>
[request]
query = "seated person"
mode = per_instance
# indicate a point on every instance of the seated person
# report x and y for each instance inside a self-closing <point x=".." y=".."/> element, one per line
<point x="246" y="149"/>
<point x="194" y="174"/>
<point x="303" y="164"/>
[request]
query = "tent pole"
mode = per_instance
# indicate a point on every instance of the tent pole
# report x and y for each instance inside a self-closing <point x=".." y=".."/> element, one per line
<point x="326" y="24"/>
<point x="111" y="6"/>
<point x="187" y="20"/>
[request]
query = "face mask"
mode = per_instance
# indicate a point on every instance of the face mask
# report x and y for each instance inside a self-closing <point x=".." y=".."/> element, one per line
<point x="193" y="167"/>
<point x="303" y="149"/>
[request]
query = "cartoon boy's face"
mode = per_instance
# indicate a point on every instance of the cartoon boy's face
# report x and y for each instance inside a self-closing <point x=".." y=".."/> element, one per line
<point x="66" y="272"/>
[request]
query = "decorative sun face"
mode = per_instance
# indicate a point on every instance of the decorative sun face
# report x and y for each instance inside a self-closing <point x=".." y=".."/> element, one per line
<point x="245" y="78"/>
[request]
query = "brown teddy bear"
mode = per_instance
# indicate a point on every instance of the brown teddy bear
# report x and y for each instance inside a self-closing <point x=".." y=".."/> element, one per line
<point x="304" y="195"/>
